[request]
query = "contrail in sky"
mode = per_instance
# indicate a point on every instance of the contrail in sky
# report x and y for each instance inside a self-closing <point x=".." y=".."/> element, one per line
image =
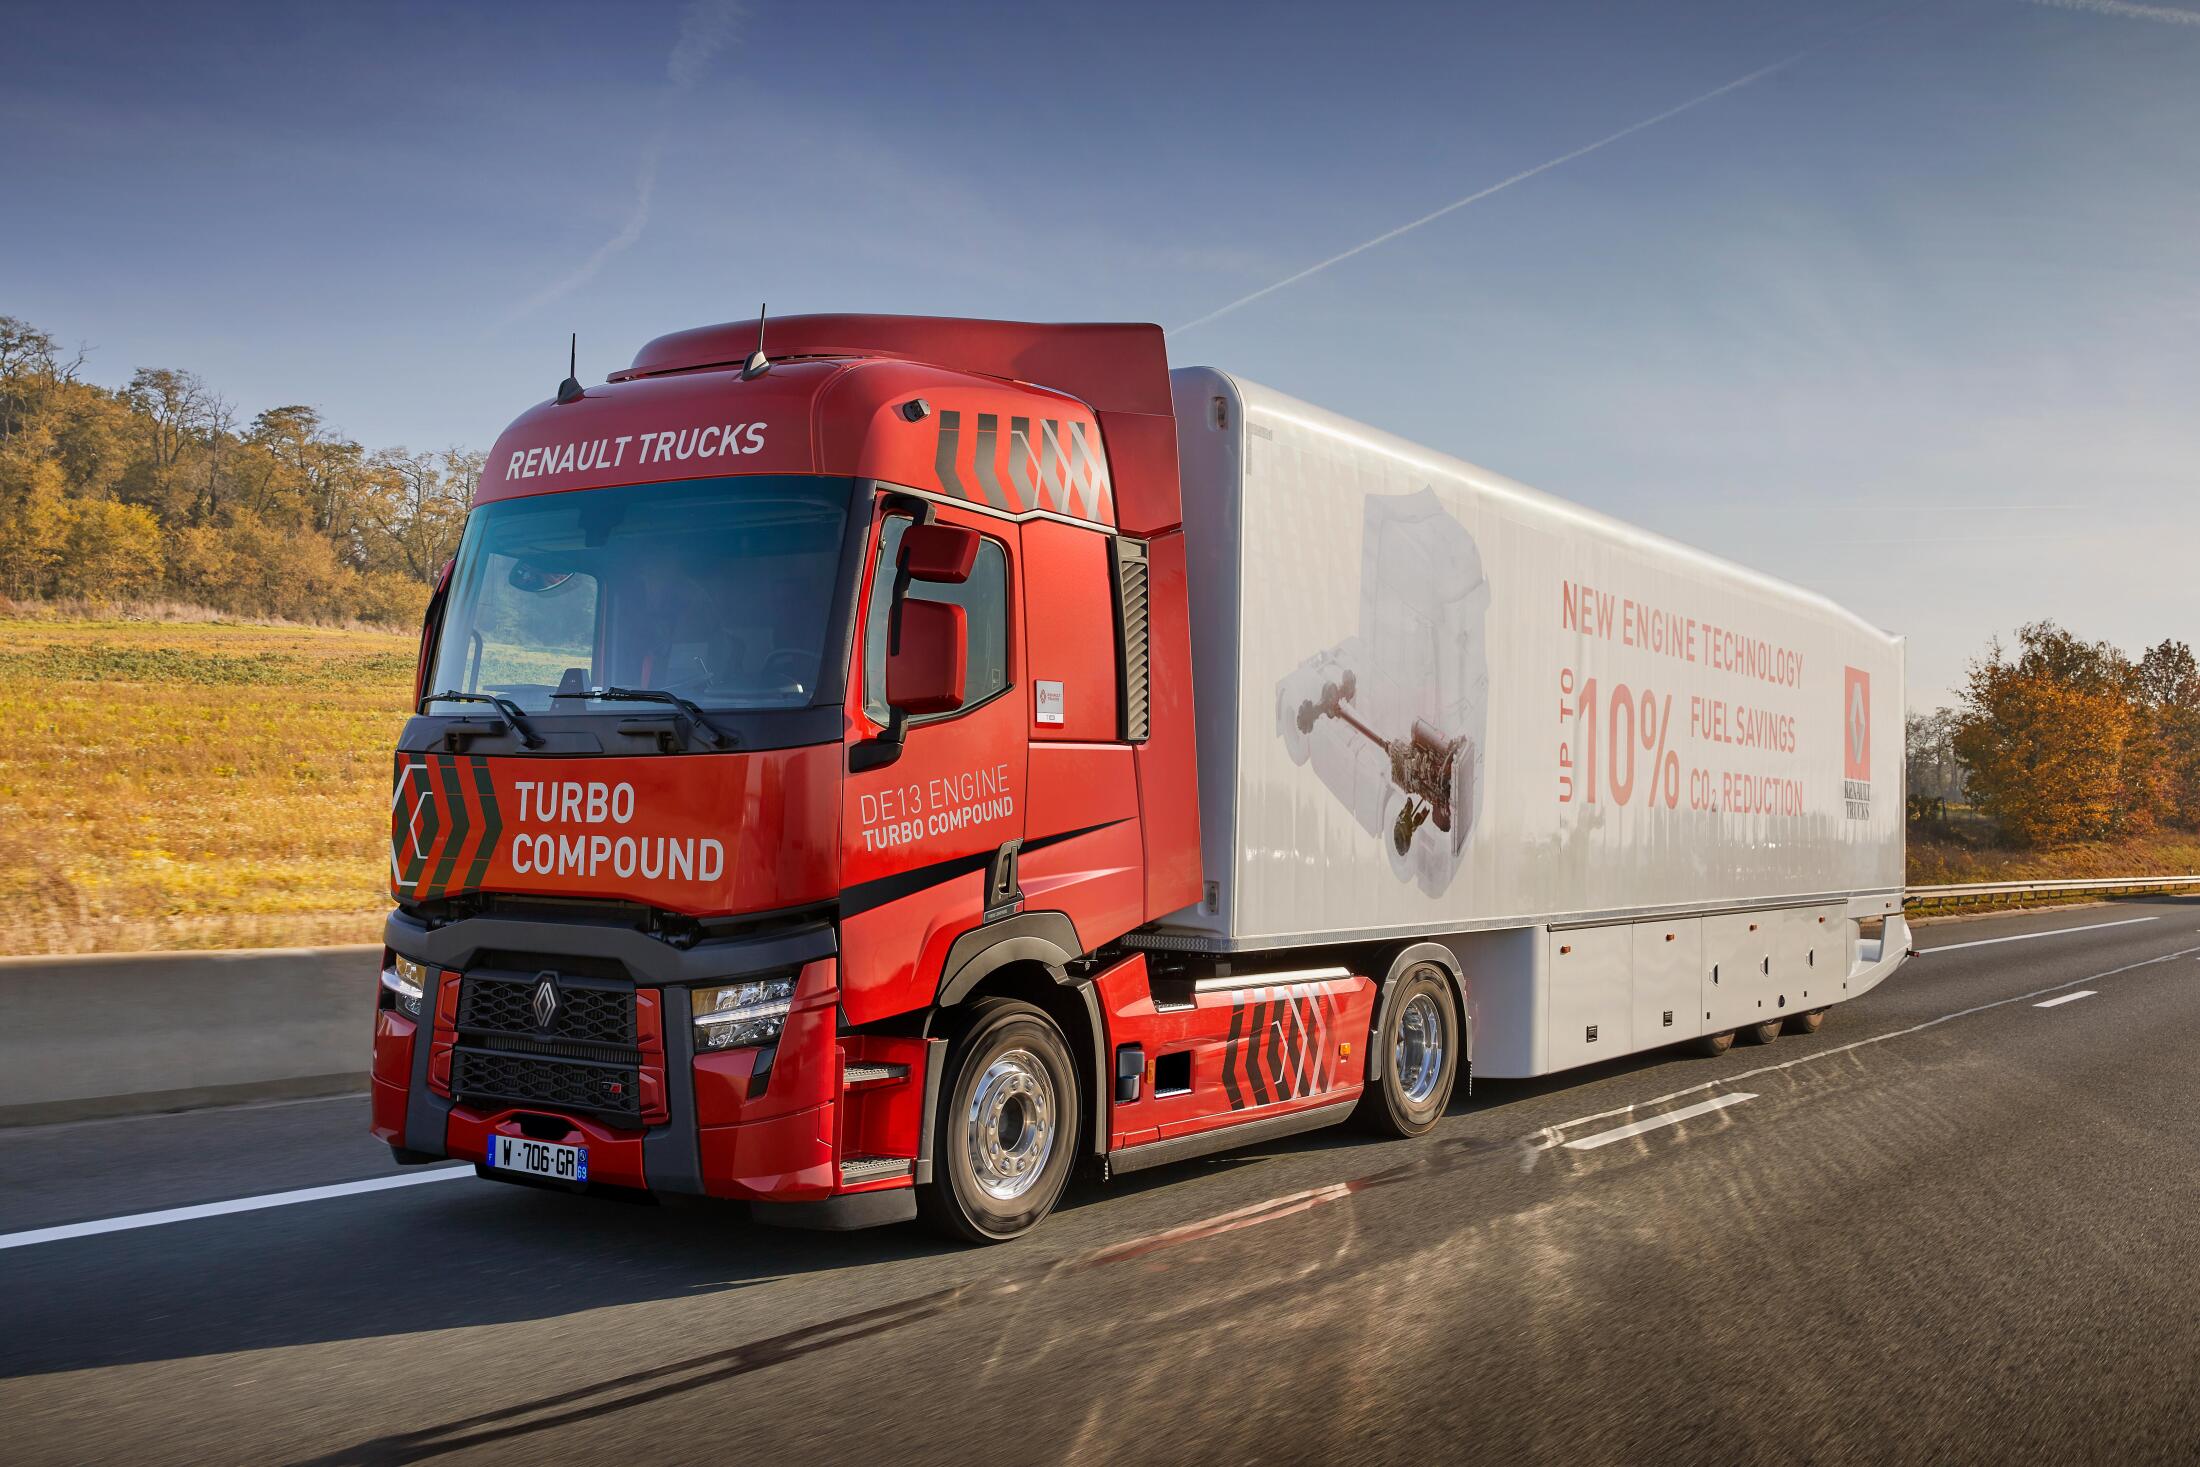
<point x="1581" y="152"/>
<point x="2168" y="15"/>
<point x="705" y="29"/>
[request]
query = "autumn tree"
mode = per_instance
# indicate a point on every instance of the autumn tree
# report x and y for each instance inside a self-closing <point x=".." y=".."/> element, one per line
<point x="2166" y="685"/>
<point x="1931" y="771"/>
<point x="414" y="509"/>
<point x="107" y="550"/>
<point x="279" y="515"/>
<point x="173" y="411"/>
<point x="2042" y="735"/>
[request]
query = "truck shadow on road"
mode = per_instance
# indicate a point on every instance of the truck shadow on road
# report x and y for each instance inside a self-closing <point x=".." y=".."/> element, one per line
<point x="467" y="1252"/>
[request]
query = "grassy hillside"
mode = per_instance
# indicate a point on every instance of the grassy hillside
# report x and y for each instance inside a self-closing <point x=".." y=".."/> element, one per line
<point x="176" y="785"/>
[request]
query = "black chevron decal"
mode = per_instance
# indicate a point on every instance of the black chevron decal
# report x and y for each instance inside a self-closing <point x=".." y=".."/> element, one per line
<point x="1230" y="1048"/>
<point x="1256" y="1072"/>
<point x="454" y="801"/>
<point x="492" y="823"/>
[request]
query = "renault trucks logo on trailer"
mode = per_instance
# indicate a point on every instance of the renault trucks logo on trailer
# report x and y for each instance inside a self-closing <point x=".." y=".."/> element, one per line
<point x="1856" y="743"/>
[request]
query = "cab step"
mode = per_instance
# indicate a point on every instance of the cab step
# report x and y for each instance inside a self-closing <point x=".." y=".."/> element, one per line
<point x="864" y="1072"/>
<point x="873" y="1169"/>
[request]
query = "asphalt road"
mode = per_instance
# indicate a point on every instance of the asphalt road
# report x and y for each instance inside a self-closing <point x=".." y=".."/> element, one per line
<point x="1957" y="1224"/>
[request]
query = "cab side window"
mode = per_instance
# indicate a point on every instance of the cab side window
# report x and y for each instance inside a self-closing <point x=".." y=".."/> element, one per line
<point x="984" y="600"/>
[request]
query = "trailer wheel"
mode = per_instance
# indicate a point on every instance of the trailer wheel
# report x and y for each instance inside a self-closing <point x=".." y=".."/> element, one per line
<point x="1763" y="1033"/>
<point x="1711" y="1046"/>
<point x="1806" y="1023"/>
<point x="1419" y="1050"/>
<point x="1007" y="1125"/>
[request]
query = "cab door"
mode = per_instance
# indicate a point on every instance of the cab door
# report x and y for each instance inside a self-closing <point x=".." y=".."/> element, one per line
<point x="1084" y="847"/>
<point x="921" y="833"/>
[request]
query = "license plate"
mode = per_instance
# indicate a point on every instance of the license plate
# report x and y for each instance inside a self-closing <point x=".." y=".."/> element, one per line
<point x="539" y="1158"/>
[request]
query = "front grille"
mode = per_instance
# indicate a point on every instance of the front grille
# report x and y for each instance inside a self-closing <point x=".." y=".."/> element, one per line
<point x="589" y="1060"/>
<point x="598" y="1087"/>
<point x="585" y="1015"/>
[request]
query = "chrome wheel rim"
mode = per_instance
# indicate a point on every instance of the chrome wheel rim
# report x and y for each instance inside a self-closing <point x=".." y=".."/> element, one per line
<point x="1010" y="1125"/>
<point x="1418" y="1060"/>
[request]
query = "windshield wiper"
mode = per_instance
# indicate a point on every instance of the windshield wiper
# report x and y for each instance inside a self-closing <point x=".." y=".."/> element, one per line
<point x="505" y="707"/>
<point x="719" y="738"/>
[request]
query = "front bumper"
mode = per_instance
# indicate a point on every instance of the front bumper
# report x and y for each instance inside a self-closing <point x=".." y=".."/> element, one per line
<point x="765" y="1125"/>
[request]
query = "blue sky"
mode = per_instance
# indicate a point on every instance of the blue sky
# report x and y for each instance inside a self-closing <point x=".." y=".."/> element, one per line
<point x="1913" y="319"/>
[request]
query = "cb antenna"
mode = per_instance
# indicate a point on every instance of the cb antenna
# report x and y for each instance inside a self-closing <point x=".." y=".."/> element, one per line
<point x="757" y="364"/>
<point x="570" y="389"/>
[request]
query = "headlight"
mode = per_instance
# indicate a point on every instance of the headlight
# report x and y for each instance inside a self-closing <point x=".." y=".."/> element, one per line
<point x="741" y="1014"/>
<point x="409" y="981"/>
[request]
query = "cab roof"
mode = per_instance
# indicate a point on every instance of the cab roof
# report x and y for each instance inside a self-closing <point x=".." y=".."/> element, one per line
<point x="1111" y="367"/>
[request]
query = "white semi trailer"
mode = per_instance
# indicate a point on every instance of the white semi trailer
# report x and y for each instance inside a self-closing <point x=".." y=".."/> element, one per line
<point x="1641" y="794"/>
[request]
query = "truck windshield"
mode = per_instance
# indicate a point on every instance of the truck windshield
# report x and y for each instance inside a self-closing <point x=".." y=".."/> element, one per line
<point x="718" y="590"/>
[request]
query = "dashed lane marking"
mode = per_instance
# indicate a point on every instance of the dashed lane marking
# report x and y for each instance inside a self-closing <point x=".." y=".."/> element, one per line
<point x="1670" y="1118"/>
<point x="2066" y="998"/>
<point x="1551" y="1136"/>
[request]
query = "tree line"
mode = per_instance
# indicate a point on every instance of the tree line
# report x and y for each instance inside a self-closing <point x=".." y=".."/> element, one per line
<point x="2059" y="739"/>
<point x="162" y="489"/>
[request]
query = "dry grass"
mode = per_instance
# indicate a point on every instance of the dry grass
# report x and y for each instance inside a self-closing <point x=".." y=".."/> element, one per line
<point x="187" y="784"/>
<point x="1964" y="851"/>
<point x="162" y="609"/>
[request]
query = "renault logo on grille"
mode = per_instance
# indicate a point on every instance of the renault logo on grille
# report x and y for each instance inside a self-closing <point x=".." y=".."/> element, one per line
<point x="546" y="1001"/>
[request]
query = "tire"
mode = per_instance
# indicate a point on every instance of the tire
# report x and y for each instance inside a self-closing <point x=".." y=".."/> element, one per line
<point x="1711" y="1046"/>
<point x="1763" y="1033"/>
<point x="1007" y="1126"/>
<point x="1415" y="1085"/>
<point x="1806" y="1023"/>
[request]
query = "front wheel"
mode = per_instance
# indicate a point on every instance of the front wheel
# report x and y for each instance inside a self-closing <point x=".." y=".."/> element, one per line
<point x="1806" y="1023"/>
<point x="1006" y="1132"/>
<point x="1419" y="1048"/>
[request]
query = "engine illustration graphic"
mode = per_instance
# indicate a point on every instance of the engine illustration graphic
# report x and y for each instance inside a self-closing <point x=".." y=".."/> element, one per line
<point x="1394" y="719"/>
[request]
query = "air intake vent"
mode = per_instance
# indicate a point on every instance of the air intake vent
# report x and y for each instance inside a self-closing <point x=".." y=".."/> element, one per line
<point x="1132" y="625"/>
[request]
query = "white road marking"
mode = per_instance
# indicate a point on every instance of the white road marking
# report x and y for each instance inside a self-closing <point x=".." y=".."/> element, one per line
<point x="1949" y="947"/>
<point x="1551" y="1136"/>
<point x="2066" y="998"/>
<point x="220" y="1209"/>
<point x="1670" y="1118"/>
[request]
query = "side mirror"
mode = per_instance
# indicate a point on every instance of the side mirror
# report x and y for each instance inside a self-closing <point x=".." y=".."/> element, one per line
<point x="941" y="554"/>
<point x="924" y="671"/>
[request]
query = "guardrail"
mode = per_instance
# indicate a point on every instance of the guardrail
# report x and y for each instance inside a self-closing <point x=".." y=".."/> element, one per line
<point x="1929" y="901"/>
<point x="130" y="1033"/>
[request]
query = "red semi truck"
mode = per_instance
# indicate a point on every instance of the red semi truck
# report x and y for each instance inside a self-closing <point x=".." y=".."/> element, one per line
<point x="804" y="800"/>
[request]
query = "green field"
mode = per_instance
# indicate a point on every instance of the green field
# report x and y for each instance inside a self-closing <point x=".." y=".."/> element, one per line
<point x="194" y="784"/>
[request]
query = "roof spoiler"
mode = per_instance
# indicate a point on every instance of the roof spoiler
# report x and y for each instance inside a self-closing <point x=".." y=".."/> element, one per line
<point x="1111" y="367"/>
